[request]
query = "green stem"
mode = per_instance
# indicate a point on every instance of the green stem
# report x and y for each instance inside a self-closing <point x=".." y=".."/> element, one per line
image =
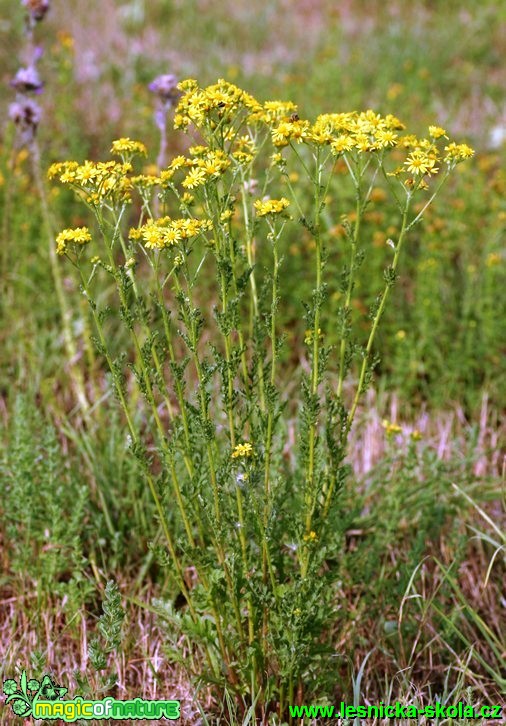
<point x="152" y="402"/>
<point x="349" y="291"/>
<point x="254" y="308"/>
<point x="316" y="349"/>
<point x="65" y="312"/>
<point x="270" y="415"/>
<point x="377" y="317"/>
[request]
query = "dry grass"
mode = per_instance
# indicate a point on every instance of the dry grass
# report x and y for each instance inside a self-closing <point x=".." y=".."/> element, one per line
<point x="422" y="663"/>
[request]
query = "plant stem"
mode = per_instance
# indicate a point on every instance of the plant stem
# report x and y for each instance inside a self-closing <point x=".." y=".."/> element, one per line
<point x="65" y="312"/>
<point x="377" y="317"/>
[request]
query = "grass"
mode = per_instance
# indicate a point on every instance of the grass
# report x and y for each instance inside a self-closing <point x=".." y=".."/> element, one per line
<point x="433" y="587"/>
<point x="419" y="611"/>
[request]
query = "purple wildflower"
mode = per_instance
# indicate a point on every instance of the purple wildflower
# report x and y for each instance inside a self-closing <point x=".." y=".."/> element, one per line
<point x="165" y="87"/>
<point x="37" y="8"/>
<point x="27" y="80"/>
<point x="26" y="114"/>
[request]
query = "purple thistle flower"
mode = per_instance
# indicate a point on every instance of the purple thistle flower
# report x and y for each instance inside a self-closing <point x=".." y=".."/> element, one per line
<point x="37" y="8"/>
<point x="27" y="80"/>
<point x="165" y="87"/>
<point x="26" y="114"/>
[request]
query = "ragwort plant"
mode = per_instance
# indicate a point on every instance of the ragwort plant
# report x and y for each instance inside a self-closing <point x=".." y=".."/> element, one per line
<point x="249" y="514"/>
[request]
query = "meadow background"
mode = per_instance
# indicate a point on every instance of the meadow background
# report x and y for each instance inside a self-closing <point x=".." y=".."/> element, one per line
<point x="422" y="590"/>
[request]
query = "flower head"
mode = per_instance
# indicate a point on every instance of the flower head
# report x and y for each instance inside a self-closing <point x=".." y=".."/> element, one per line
<point x="27" y="80"/>
<point x="311" y="537"/>
<point x="127" y="147"/>
<point x="456" y="153"/>
<point x="271" y="206"/>
<point x="165" y="87"/>
<point x="37" y="8"/>
<point x="26" y="114"/>
<point x="420" y="163"/>
<point x="195" y="178"/>
<point x="391" y="428"/>
<point x="437" y="132"/>
<point x="242" y="451"/>
<point x="78" y="236"/>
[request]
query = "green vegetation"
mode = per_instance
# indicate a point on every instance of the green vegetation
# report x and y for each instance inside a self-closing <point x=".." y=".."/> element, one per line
<point x="199" y="497"/>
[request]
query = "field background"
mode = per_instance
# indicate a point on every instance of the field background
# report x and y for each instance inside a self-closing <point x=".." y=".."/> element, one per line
<point x="73" y="514"/>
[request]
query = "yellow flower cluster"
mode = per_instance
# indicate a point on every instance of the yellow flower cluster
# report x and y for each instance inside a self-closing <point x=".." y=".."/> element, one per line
<point x="365" y="131"/>
<point x="78" y="236"/>
<point x="242" y="451"/>
<point x="292" y="130"/>
<point x="211" y="105"/>
<point x="457" y="152"/>
<point x="437" y="132"/>
<point x="207" y="165"/>
<point x="273" y="112"/>
<point x="127" y="147"/>
<point x="165" y="232"/>
<point x="271" y="206"/>
<point x="244" y="149"/>
<point x="98" y="180"/>
<point x="145" y="181"/>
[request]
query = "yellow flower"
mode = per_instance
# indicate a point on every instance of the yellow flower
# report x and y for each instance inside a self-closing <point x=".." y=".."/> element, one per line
<point x="153" y="236"/>
<point x="135" y="233"/>
<point x="437" y="132"/>
<point x="144" y="181"/>
<point x="419" y="162"/>
<point x="274" y="111"/>
<point x="166" y="177"/>
<point x="386" y="138"/>
<point x="271" y="206"/>
<point x="199" y="150"/>
<point x="194" y="178"/>
<point x="363" y="143"/>
<point x="308" y="338"/>
<point x="391" y="428"/>
<point x="214" y="164"/>
<point x="214" y="104"/>
<point x="79" y="236"/>
<point x="178" y="162"/>
<point x="493" y="259"/>
<point x="187" y="198"/>
<point x="342" y="144"/>
<point x="165" y="232"/>
<point x="242" y="451"/>
<point x="86" y="173"/>
<point x="311" y="537"/>
<point x="457" y="152"/>
<point x="126" y="146"/>
<point x="290" y="131"/>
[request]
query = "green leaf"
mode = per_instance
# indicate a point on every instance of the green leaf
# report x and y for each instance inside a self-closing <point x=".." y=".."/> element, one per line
<point x="23" y="683"/>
